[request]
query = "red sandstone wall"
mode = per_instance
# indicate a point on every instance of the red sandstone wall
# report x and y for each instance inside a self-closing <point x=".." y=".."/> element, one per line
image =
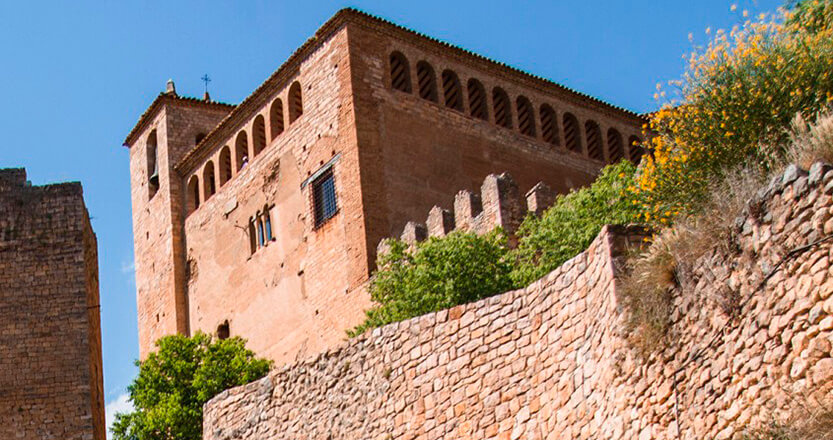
<point x="549" y="361"/>
<point x="157" y="222"/>
<point x="297" y="294"/>
<point x="50" y="341"/>
<point x="416" y="153"/>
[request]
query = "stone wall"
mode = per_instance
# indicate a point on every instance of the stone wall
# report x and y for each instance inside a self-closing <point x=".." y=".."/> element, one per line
<point x="51" y="383"/>
<point x="550" y="361"/>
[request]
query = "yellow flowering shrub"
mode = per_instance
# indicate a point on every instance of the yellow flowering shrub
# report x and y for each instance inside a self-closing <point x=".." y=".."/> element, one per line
<point x="734" y="105"/>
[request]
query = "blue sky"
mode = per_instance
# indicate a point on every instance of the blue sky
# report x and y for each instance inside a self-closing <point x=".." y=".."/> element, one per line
<point x="76" y="76"/>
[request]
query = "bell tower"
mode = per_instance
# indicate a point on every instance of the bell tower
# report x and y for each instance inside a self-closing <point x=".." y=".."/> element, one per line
<point x="170" y="128"/>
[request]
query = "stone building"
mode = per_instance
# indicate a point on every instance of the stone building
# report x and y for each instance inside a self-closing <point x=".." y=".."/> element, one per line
<point x="262" y="219"/>
<point x="51" y="383"/>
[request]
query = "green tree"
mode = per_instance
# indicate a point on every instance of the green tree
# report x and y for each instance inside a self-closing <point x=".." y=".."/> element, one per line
<point x="574" y="220"/>
<point x="437" y="274"/>
<point x="177" y="379"/>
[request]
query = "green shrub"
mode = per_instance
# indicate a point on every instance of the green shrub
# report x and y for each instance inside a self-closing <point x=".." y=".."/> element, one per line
<point x="736" y="101"/>
<point x="437" y="274"/>
<point x="574" y="220"/>
<point x="176" y="380"/>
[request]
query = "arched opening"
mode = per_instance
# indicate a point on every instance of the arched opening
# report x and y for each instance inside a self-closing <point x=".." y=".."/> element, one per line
<point x="400" y="72"/>
<point x="198" y="138"/>
<point x="549" y="125"/>
<point x="193" y="194"/>
<point x="225" y="165"/>
<point x="260" y="236"/>
<point x="526" y="116"/>
<point x="572" y="137"/>
<point x="223" y="331"/>
<point x="635" y="149"/>
<point x="615" y="152"/>
<point x="210" y="185"/>
<point x="451" y="91"/>
<point x="477" y="100"/>
<point x="259" y="134"/>
<point x="594" y="140"/>
<point x="276" y="118"/>
<point x="153" y="165"/>
<point x="502" y="108"/>
<point x="427" y="81"/>
<point x="252" y="235"/>
<point x="296" y="103"/>
<point x="267" y="223"/>
<point x="241" y="150"/>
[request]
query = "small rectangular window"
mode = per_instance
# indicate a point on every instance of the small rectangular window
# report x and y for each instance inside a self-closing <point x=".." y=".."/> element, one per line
<point x="324" y="198"/>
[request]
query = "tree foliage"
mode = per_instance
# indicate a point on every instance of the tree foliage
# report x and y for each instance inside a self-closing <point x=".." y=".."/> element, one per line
<point x="177" y="379"/>
<point x="436" y="274"/>
<point x="735" y="103"/>
<point x="567" y="228"/>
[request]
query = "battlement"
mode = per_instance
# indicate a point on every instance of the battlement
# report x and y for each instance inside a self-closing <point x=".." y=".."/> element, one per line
<point x="12" y="177"/>
<point x="498" y="204"/>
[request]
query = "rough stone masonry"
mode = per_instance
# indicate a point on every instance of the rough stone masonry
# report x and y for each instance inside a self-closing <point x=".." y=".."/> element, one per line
<point x="550" y="361"/>
<point x="50" y="336"/>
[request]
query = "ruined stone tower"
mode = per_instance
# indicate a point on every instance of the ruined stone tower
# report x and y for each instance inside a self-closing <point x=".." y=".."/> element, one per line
<point x="262" y="219"/>
<point x="51" y="383"/>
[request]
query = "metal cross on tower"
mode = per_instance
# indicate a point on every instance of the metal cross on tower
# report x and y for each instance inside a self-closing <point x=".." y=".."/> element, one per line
<point x="206" y="79"/>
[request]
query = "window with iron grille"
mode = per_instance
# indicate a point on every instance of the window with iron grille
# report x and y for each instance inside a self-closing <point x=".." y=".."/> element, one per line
<point x="324" y="197"/>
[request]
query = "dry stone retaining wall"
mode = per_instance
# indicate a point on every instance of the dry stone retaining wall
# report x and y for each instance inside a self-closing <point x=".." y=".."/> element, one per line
<point x="751" y="333"/>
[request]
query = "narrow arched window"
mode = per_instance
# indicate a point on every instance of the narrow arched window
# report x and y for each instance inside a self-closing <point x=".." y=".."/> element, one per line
<point x="296" y="103"/>
<point x="225" y="165"/>
<point x="549" y="125"/>
<point x="594" y="140"/>
<point x="572" y="137"/>
<point x="477" y="100"/>
<point x="427" y="81"/>
<point x="241" y="150"/>
<point x="252" y="236"/>
<point x="400" y="72"/>
<point x="223" y="331"/>
<point x="153" y="165"/>
<point x="259" y="231"/>
<point x="502" y="108"/>
<point x="267" y="223"/>
<point x="635" y="149"/>
<point x="526" y="116"/>
<point x="276" y="118"/>
<point x="615" y="152"/>
<point x="193" y="193"/>
<point x="259" y="134"/>
<point x="451" y="91"/>
<point x="210" y="185"/>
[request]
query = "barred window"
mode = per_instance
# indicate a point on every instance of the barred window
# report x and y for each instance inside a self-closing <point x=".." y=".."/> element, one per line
<point x="324" y="197"/>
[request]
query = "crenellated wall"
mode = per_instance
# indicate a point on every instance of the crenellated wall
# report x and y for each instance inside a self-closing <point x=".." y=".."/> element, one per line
<point x="499" y="204"/>
<point x="550" y="361"/>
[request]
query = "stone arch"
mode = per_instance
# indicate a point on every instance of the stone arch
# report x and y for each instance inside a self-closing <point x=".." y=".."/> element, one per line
<point x="502" y="108"/>
<point x="400" y="72"/>
<point x="526" y="116"/>
<point x="572" y="137"/>
<point x="225" y="165"/>
<point x="296" y="102"/>
<point x="259" y="134"/>
<point x="241" y="150"/>
<point x="427" y="81"/>
<point x="615" y="152"/>
<point x="152" y="164"/>
<point x="209" y="184"/>
<point x="193" y="193"/>
<point x="452" y="92"/>
<point x="635" y="149"/>
<point x="477" y="100"/>
<point x="549" y="124"/>
<point x="276" y="118"/>
<point x="594" y="140"/>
